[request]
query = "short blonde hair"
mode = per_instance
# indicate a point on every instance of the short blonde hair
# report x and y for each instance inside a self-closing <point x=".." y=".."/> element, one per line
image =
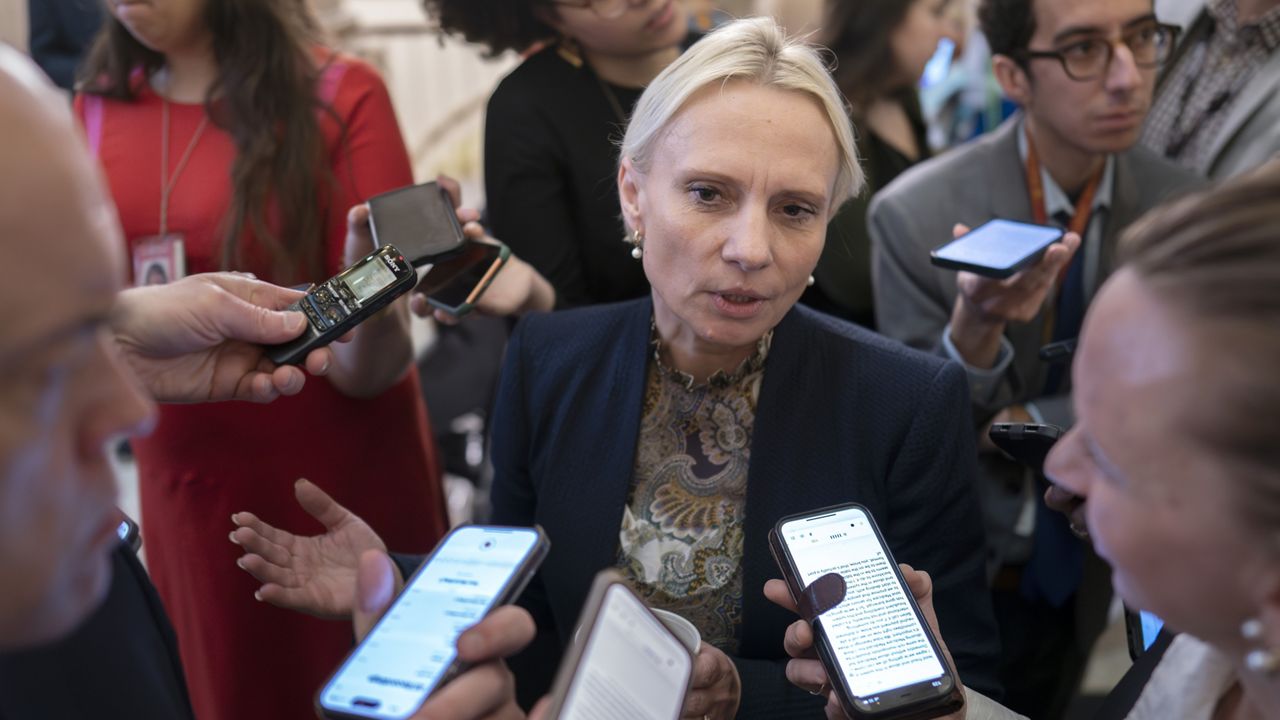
<point x="755" y="50"/>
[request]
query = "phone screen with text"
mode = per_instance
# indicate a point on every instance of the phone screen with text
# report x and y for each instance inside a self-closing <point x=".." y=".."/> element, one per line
<point x="874" y="634"/>
<point x="631" y="669"/>
<point x="408" y="652"/>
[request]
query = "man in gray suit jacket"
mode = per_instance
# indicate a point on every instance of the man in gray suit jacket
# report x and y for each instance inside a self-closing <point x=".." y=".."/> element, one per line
<point x="1083" y="72"/>
<point x="1217" y="108"/>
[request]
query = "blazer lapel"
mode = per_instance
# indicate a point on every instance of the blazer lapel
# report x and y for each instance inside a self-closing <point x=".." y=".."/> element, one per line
<point x="1006" y="173"/>
<point x="1260" y="89"/>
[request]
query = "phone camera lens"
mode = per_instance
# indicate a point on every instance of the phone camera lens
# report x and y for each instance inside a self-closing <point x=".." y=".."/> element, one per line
<point x="486" y="545"/>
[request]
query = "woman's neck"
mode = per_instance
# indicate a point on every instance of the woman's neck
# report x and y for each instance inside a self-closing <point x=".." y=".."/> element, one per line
<point x="1259" y="700"/>
<point x="633" y="71"/>
<point x="683" y="350"/>
<point x="187" y="76"/>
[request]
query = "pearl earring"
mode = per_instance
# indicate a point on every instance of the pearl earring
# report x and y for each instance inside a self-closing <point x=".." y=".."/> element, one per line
<point x="637" y="239"/>
<point x="810" y="281"/>
<point x="1263" y="661"/>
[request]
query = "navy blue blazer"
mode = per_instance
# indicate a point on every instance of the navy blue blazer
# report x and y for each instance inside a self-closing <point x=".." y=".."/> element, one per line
<point x="843" y="415"/>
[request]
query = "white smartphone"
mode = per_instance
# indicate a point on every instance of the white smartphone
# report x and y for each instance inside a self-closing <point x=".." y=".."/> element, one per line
<point x="882" y="659"/>
<point x="623" y="662"/>
<point x="412" y="650"/>
<point x="997" y="249"/>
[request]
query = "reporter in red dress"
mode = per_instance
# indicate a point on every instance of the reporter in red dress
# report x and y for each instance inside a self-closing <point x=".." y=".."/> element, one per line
<point x="232" y="140"/>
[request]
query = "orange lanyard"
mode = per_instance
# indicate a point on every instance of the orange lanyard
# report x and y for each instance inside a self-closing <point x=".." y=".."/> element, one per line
<point x="1084" y="206"/>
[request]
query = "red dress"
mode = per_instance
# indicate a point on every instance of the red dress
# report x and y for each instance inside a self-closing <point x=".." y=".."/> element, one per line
<point x="245" y="659"/>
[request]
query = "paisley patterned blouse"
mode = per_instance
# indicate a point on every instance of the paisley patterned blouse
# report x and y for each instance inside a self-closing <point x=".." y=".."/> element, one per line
<point x="681" y="537"/>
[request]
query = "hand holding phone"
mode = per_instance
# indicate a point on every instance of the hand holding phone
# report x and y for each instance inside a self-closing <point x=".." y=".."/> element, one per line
<point x="878" y="652"/>
<point x="454" y="284"/>
<point x="411" y="651"/>
<point x="621" y="656"/>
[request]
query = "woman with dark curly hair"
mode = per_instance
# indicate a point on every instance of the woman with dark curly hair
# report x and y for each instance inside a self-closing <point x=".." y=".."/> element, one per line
<point x="233" y="140"/>
<point x="881" y="48"/>
<point x="550" y="159"/>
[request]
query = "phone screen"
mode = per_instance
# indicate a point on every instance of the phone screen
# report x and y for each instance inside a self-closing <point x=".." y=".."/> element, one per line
<point x="1151" y="625"/>
<point x="632" y="666"/>
<point x="875" y="635"/>
<point x="369" y="278"/>
<point x="452" y="281"/>
<point x="408" y="652"/>
<point x="999" y="244"/>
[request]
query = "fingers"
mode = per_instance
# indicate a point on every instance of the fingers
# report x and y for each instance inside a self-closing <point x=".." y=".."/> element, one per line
<point x="779" y="594"/>
<point x="808" y="675"/>
<point x="918" y="580"/>
<point x="484" y="691"/>
<point x="709" y="667"/>
<point x="375" y="588"/>
<point x="286" y="380"/>
<point x="473" y="230"/>
<point x="504" y="632"/>
<point x="319" y="361"/>
<point x="359" y="240"/>
<point x="540" y="708"/>
<point x="319" y="505"/>
<point x="249" y="312"/>
<point x="797" y="641"/>
<point x="452" y="187"/>
<point x="959" y="229"/>
<point x="256" y="536"/>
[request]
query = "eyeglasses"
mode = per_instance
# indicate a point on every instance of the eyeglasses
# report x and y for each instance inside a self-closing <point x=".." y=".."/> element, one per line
<point x="604" y="9"/>
<point x="1088" y="59"/>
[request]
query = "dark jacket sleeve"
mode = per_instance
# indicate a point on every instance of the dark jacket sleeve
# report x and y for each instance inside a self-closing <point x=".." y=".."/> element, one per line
<point x="61" y="32"/>
<point x="514" y="502"/>
<point x="931" y="496"/>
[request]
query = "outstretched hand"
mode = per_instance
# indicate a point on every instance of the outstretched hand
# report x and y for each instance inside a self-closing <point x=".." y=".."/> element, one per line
<point x="201" y="338"/>
<point x="316" y="574"/>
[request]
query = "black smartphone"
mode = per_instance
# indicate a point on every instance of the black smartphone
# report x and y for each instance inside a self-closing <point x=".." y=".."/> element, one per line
<point x="1028" y="443"/>
<point x="129" y="532"/>
<point x="997" y="249"/>
<point x="879" y="653"/>
<point x="419" y="219"/>
<point x="621" y="656"/>
<point x="1141" y="628"/>
<point x="454" y="284"/>
<point x="345" y="300"/>
<point x="411" y="651"/>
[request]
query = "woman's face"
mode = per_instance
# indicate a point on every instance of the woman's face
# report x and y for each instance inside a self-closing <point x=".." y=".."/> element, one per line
<point x="165" y="26"/>
<point x="1161" y="506"/>
<point x="734" y="210"/>
<point x="916" y="38"/>
<point x="645" y="26"/>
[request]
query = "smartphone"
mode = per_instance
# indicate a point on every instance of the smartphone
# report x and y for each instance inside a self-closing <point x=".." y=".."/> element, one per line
<point x="1028" y="443"/>
<point x="419" y="219"/>
<point x="877" y="649"/>
<point x="997" y="249"/>
<point x="1141" y="628"/>
<point x="456" y="283"/>
<point x="345" y="300"/>
<point x="129" y="532"/>
<point x="412" y="650"/>
<point x="621" y="656"/>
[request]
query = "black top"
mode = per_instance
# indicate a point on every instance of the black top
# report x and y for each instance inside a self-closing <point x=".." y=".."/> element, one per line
<point x="122" y="662"/>
<point x="843" y="275"/>
<point x="550" y="166"/>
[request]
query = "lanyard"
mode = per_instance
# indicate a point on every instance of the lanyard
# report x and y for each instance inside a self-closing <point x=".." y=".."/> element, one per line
<point x="1084" y="206"/>
<point x="169" y="181"/>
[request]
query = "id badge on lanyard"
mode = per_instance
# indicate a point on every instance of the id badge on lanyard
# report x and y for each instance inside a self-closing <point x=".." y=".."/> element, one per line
<point x="162" y="258"/>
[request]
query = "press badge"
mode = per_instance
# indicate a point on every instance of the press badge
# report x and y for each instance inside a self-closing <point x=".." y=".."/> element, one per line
<point x="159" y="259"/>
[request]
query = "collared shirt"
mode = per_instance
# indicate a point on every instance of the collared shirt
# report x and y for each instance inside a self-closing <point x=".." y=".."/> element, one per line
<point x="1059" y="208"/>
<point x="1197" y="95"/>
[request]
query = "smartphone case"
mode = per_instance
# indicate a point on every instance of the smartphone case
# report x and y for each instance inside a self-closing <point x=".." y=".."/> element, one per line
<point x="418" y="219"/>
<point x="474" y="296"/>
<point x="824" y="594"/>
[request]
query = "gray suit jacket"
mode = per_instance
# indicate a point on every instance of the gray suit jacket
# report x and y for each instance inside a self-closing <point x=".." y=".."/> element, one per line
<point x="1251" y="133"/>
<point x="980" y="181"/>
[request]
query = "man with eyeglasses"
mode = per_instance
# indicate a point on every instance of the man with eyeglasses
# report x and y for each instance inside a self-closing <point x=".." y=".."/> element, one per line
<point x="1217" y="108"/>
<point x="1083" y="73"/>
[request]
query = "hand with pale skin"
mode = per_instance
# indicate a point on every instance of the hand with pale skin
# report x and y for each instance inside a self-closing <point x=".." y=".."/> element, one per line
<point x="715" y="690"/>
<point x="805" y="671"/>
<point x="984" y="306"/>
<point x="515" y="290"/>
<point x="316" y="574"/>
<point x="202" y="338"/>
<point x="486" y="690"/>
